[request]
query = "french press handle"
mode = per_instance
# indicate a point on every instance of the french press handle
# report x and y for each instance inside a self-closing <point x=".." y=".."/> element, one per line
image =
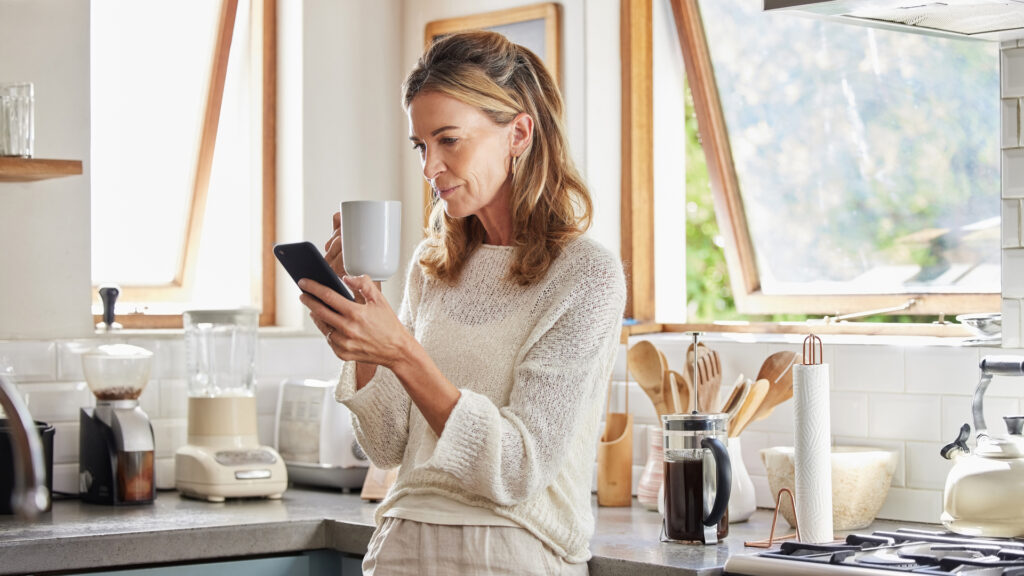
<point x="723" y="479"/>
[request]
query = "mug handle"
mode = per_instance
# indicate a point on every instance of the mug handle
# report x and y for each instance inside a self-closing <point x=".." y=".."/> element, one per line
<point x="723" y="479"/>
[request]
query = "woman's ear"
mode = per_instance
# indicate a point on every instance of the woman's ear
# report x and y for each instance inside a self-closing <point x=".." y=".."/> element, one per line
<point x="522" y="133"/>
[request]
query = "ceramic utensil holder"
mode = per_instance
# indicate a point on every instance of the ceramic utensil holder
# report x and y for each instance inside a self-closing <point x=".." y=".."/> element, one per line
<point x="654" y="470"/>
<point x="742" y="503"/>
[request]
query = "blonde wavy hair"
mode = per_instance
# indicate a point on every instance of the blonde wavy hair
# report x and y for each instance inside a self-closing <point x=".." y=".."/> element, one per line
<point x="550" y="203"/>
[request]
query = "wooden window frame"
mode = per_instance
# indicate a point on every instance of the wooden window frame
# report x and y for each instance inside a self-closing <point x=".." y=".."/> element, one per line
<point x="637" y="201"/>
<point x="548" y="12"/>
<point x="182" y="285"/>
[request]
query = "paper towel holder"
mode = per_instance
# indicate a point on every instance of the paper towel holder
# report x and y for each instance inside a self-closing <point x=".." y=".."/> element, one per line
<point x="771" y="535"/>
<point x="812" y="350"/>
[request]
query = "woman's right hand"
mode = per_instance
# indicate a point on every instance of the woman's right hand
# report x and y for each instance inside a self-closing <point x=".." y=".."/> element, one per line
<point x="333" y="248"/>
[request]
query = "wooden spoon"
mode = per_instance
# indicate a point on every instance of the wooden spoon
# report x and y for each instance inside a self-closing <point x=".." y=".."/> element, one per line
<point x="682" y="389"/>
<point x="645" y="361"/>
<point x="750" y="405"/>
<point x="736" y="396"/>
<point x="777" y="370"/>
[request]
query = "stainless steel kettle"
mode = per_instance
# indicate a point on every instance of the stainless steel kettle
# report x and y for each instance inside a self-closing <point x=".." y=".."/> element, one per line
<point x="984" y="493"/>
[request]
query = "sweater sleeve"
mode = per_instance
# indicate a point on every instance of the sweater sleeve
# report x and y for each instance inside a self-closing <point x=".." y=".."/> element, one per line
<point x="507" y="454"/>
<point x="380" y="410"/>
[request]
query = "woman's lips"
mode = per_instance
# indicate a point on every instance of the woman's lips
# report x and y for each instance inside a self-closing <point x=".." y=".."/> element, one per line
<point x="442" y="193"/>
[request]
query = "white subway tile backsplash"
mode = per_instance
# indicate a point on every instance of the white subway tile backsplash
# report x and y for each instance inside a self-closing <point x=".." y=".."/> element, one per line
<point x="1011" y="72"/>
<point x="267" y="390"/>
<point x="1013" y="272"/>
<point x="905" y="417"/>
<point x="619" y="370"/>
<point x="1010" y="119"/>
<point x="28" y="361"/>
<point x="173" y="398"/>
<point x="945" y="370"/>
<point x="56" y="401"/>
<point x="848" y="414"/>
<point x="169" y="435"/>
<point x="869" y="369"/>
<point x="926" y="468"/>
<point x="779" y="421"/>
<point x="291" y="357"/>
<point x="956" y="411"/>
<point x="65" y="478"/>
<point x="1012" y="170"/>
<point x="739" y="358"/>
<point x="1011" y="321"/>
<point x="911" y="505"/>
<point x="1010" y="229"/>
<point x="69" y="359"/>
<point x="170" y="359"/>
<point x="65" y="442"/>
<point x="763" y="494"/>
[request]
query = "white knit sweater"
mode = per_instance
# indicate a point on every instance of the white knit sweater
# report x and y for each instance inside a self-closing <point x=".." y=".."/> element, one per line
<point x="532" y="364"/>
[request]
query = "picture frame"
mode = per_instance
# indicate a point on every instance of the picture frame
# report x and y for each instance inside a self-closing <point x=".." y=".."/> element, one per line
<point x="535" y="26"/>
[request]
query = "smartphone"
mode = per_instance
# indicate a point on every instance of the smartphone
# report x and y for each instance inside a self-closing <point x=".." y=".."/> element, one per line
<point x="304" y="260"/>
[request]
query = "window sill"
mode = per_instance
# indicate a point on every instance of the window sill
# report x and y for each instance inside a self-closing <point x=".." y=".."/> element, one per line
<point x="33" y="169"/>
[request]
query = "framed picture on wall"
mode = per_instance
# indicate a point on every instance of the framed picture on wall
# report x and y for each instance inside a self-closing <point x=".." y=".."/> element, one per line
<point x="536" y="26"/>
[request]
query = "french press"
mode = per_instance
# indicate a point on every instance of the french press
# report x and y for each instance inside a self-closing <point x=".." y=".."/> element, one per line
<point x="698" y="476"/>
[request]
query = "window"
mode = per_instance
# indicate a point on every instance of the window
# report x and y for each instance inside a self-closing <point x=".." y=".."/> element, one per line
<point x="182" y="155"/>
<point x="852" y="168"/>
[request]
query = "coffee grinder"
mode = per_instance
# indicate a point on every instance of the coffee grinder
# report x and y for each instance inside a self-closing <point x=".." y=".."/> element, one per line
<point x="115" y="439"/>
<point x="223" y="457"/>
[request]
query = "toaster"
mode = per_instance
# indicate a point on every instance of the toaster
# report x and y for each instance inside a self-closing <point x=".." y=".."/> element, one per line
<point x="313" y="434"/>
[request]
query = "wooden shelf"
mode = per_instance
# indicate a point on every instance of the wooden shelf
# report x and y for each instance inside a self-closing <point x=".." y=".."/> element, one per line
<point x="32" y="169"/>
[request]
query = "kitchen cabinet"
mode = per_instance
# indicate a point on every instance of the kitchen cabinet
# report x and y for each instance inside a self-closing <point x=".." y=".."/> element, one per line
<point x="314" y="563"/>
<point x="33" y="169"/>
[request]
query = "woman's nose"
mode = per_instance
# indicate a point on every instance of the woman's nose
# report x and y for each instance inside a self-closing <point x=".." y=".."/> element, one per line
<point x="432" y="165"/>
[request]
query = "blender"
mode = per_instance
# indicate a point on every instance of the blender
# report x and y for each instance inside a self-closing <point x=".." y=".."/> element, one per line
<point x="115" y="439"/>
<point x="223" y="457"/>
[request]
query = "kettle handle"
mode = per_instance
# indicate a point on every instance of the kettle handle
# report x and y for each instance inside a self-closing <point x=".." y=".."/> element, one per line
<point x="723" y="479"/>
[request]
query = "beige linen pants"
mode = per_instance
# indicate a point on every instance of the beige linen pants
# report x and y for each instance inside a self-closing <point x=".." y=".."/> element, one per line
<point x="400" y="547"/>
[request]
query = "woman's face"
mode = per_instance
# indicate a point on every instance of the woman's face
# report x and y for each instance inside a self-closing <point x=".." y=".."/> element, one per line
<point x="465" y="155"/>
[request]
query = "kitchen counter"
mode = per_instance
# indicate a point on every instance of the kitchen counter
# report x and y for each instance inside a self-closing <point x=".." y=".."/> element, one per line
<point x="77" y="536"/>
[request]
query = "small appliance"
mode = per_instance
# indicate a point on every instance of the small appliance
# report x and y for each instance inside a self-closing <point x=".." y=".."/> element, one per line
<point x="698" y="478"/>
<point x="313" y="433"/>
<point x="984" y="492"/>
<point x="115" y="438"/>
<point x="223" y="457"/>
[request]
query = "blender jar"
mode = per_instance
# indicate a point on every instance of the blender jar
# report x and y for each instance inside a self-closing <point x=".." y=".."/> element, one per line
<point x="698" y="478"/>
<point x="220" y="352"/>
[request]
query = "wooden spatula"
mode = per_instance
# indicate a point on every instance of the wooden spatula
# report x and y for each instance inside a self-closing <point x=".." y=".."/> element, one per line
<point x="778" y="371"/>
<point x="758" y="391"/>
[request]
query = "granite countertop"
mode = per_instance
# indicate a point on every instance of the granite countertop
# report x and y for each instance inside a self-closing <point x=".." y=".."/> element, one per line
<point x="81" y="536"/>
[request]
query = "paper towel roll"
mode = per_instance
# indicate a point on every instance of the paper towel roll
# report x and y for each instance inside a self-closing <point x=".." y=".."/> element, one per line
<point x="812" y="453"/>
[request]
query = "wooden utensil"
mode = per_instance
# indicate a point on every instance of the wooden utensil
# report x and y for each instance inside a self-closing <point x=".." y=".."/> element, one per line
<point x="682" y="389"/>
<point x="736" y="396"/>
<point x="615" y="456"/>
<point x="645" y="361"/>
<point x="676" y="401"/>
<point x="777" y="370"/>
<point x="709" y="376"/>
<point x="750" y="405"/>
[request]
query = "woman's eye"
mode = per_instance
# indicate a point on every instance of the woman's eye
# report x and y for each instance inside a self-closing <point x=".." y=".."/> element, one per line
<point x="449" y="140"/>
<point x="419" y="147"/>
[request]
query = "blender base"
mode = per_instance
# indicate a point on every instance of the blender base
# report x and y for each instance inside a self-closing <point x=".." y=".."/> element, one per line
<point x="215" y="474"/>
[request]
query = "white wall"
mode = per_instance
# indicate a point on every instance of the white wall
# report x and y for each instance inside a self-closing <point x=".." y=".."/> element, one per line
<point x="44" y="226"/>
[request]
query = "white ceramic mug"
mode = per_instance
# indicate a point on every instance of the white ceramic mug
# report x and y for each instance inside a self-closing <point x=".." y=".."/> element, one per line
<point x="371" y="237"/>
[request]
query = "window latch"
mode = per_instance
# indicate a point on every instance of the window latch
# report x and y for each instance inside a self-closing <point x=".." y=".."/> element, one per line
<point x="832" y="319"/>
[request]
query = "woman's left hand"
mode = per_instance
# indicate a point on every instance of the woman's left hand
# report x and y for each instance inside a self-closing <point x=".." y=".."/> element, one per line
<point x="369" y="332"/>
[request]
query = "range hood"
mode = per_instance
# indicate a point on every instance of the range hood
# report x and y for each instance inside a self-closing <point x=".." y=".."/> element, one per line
<point x="992" y="20"/>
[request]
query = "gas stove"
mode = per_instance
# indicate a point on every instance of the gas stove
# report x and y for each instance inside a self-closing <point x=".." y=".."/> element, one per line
<point x="883" y="553"/>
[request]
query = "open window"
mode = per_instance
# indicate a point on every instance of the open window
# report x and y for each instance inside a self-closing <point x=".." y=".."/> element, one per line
<point x="851" y="168"/>
<point x="183" y="156"/>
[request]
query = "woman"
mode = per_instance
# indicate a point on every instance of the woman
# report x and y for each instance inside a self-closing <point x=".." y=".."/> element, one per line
<point x="487" y="388"/>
